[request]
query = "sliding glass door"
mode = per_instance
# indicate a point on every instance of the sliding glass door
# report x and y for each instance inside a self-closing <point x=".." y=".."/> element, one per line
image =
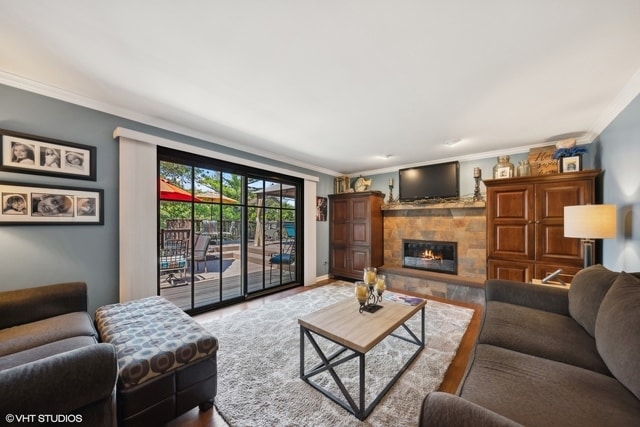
<point x="225" y="232"/>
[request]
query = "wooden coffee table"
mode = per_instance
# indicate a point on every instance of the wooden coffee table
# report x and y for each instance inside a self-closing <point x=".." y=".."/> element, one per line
<point x="358" y="333"/>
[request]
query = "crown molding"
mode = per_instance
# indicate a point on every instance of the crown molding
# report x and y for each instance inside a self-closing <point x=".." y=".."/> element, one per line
<point x="624" y="98"/>
<point x="33" y="86"/>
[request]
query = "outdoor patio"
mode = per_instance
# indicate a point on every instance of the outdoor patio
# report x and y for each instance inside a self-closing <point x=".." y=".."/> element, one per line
<point x="228" y="268"/>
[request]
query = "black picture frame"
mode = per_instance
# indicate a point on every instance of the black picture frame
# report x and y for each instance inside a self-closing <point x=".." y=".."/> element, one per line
<point x="571" y="163"/>
<point x="33" y="204"/>
<point x="321" y="208"/>
<point x="24" y="153"/>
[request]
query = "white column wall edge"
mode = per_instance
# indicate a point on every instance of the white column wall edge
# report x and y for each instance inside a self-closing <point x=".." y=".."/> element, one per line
<point x="310" y="231"/>
<point x="138" y="220"/>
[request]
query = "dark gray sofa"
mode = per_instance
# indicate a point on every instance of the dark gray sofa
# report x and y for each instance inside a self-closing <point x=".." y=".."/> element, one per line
<point x="549" y="356"/>
<point x="51" y="364"/>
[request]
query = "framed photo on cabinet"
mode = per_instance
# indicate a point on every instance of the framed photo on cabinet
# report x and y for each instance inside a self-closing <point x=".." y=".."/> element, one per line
<point x="571" y="164"/>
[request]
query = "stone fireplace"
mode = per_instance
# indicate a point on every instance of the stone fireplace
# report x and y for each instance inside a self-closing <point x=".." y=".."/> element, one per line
<point x="429" y="255"/>
<point x="462" y="223"/>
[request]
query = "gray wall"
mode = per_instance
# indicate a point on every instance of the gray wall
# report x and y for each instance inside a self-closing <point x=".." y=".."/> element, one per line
<point x="39" y="255"/>
<point x="618" y="154"/>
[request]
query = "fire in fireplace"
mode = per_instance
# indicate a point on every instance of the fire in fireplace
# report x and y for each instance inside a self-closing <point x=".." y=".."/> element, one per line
<point x="430" y="255"/>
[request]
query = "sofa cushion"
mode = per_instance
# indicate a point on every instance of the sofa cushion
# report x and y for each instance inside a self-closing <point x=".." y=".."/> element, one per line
<point x="34" y="334"/>
<point x="617" y="326"/>
<point x="32" y="304"/>
<point x="46" y="350"/>
<point x="540" y="333"/>
<point x="588" y="288"/>
<point x="534" y="391"/>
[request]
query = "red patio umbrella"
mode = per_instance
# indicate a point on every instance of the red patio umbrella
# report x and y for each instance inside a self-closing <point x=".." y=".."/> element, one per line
<point x="169" y="191"/>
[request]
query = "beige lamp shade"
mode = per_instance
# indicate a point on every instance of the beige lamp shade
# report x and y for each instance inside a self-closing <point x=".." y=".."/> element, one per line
<point x="590" y="221"/>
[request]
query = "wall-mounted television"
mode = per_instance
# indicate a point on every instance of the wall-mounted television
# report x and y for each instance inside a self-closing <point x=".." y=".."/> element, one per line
<point x="439" y="181"/>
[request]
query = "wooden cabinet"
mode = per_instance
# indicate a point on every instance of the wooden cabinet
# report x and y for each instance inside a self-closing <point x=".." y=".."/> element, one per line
<point x="355" y="233"/>
<point x="525" y="224"/>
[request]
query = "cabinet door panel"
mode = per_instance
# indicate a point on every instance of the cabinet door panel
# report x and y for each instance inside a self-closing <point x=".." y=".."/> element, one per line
<point x="551" y="245"/>
<point x="360" y="209"/>
<point x="554" y="246"/>
<point x="339" y="233"/>
<point x="360" y="257"/>
<point x="507" y="270"/>
<point x="512" y="241"/>
<point x="360" y="234"/>
<point x="339" y="226"/>
<point x="511" y="203"/>
<point x="339" y="210"/>
<point x="553" y="197"/>
<point x="510" y="222"/>
<point x="339" y="257"/>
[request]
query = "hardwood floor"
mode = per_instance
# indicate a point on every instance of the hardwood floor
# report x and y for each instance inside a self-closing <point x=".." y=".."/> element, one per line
<point x="211" y="418"/>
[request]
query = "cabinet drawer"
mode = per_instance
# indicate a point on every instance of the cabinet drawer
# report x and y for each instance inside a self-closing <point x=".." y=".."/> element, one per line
<point x="510" y="270"/>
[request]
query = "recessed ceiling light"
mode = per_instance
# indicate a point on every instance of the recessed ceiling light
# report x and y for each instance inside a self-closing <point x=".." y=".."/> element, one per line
<point x="452" y="142"/>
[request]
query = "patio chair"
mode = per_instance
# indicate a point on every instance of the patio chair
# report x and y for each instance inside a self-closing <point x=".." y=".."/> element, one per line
<point x="200" y="250"/>
<point x="210" y="228"/>
<point x="173" y="260"/>
<point x="289" y="231"/>
<point x="286" y="257"/>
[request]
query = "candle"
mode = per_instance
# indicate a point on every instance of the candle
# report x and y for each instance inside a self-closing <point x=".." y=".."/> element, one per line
<point x="390" y="182"/>
<point x="361" y="292"/>
<point x="476" y="172"/>
<point x="370" y="276"/>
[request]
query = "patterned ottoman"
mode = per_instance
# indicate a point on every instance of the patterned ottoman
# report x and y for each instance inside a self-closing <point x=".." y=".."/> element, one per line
<point x="167" y="361"/>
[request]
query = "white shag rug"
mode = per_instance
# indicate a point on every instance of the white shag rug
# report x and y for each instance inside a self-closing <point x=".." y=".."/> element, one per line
<point x="259" y="365"/>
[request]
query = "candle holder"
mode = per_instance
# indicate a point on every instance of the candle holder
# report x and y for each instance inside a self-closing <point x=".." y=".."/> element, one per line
<point x="477" y="174"/>
<point x="391" y="200"/>
<point x="369" y="292"/>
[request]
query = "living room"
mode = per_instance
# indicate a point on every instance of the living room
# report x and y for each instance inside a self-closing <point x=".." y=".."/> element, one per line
<point x="39" y="255"/>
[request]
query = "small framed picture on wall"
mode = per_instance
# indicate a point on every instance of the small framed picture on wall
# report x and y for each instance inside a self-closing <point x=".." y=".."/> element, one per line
<point x="321" y="208"/>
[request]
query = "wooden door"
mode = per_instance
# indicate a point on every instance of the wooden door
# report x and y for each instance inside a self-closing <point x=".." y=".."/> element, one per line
<point x="359" y="226"/>
<point x="510" y="217"/>
<point x="551" y="198"/>
<point x="339" y="221"/>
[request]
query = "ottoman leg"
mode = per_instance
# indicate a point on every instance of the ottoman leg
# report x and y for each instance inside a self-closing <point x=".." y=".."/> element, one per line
<point x="205" y="406"/>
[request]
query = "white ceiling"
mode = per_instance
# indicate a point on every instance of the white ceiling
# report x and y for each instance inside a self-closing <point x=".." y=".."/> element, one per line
<point x="337" y="85"/>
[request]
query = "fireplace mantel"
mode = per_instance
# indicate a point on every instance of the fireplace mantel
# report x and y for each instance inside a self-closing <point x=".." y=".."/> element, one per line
<point x="462" y="204"/>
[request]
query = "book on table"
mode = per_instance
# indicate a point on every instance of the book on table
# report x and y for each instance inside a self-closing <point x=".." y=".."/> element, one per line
<point x="401" y="298"/>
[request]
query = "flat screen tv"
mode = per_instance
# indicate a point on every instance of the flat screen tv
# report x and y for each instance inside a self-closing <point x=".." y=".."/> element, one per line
<point x="440" y="181"/>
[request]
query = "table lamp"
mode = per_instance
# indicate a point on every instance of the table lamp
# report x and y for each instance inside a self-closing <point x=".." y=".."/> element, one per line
<point x="589" y="222"/>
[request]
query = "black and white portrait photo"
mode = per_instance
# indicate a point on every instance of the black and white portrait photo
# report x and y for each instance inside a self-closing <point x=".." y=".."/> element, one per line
<point x="14" y="204"/>
<point x="51" y="205"/>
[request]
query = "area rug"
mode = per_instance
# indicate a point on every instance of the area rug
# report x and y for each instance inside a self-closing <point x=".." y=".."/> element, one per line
<point x="259" y="365"/>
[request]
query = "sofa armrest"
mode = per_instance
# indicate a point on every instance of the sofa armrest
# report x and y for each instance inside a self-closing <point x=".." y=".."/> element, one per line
<point x="29" y="305"/>
<point x="60" y="384"/>
<point x="443" y="409"/>
<point x="540" y="297"/>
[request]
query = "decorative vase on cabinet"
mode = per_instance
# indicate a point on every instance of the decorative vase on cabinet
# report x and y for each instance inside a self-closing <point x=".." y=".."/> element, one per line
<point x="504" y="168"/>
